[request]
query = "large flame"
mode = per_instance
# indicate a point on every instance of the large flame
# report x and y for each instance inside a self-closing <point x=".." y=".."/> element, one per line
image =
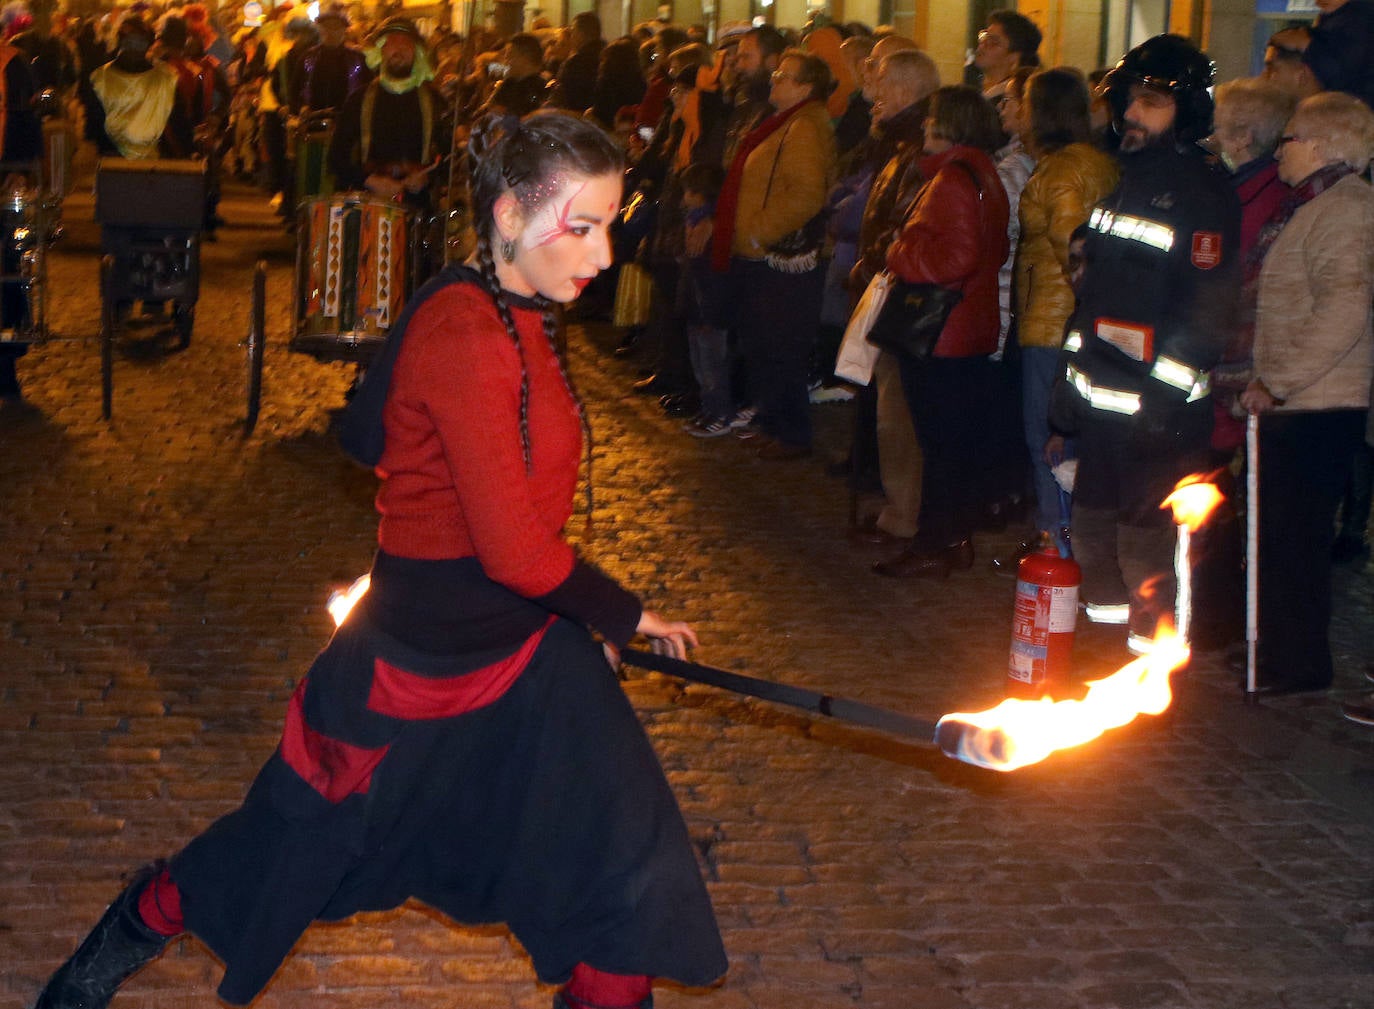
<point x="1193" y="500"/>
<point x="342" y="601"/>
<point x="1017" y="733"/>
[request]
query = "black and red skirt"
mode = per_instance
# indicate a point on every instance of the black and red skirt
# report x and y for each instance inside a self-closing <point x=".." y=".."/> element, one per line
<point x="513" y="786"/>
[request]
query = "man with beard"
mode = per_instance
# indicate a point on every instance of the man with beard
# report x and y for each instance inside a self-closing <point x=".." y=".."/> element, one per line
<point x="1155" y="310"/>
<point x="387" y="136"/>
<point x="756" y="57"/>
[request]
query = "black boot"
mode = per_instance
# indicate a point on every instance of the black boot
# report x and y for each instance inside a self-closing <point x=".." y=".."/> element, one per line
<point x="561" y="1002"/>
<point x="117" y="947"/>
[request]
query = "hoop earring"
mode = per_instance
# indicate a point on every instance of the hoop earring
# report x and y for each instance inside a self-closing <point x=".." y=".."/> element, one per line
<point x="508" y="250"/>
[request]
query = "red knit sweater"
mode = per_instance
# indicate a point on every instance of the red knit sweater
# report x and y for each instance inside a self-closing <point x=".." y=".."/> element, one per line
<point x="454" y="478"/>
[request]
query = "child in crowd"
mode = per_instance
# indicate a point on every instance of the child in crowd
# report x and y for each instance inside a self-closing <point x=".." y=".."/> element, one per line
<point x="699" y="304"/>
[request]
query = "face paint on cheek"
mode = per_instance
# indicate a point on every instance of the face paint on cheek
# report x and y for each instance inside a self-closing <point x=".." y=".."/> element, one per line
<point x="551" y="224"/>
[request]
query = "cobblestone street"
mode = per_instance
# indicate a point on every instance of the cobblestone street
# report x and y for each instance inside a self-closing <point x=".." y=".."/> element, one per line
<point x="162" y="587"/>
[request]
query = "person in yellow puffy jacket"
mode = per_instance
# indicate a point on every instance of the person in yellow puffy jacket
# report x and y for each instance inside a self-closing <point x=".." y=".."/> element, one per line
<point x="1070" y="176"/>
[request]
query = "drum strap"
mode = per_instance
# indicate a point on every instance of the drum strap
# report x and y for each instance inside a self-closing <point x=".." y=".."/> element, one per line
<point x="369" y="106"/>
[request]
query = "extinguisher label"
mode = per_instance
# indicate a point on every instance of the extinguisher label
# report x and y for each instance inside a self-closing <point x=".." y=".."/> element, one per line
<point x="1063" y="609"/>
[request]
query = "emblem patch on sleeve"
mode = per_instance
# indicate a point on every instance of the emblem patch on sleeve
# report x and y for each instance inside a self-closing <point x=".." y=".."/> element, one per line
<point x="1206" y="249"/>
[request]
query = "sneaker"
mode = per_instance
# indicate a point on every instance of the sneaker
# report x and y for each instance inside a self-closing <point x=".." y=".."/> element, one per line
<point x="744" y="417"/>
<point x="1361" y="711"/>
<point x="707" y="427"/>
<point x="831" y="394"/>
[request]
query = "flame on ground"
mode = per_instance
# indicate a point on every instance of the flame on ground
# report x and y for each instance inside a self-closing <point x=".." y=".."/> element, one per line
<point x="1017" y="733"/>
<point x="1193" y="500"/>
<point x="341" y="602"/>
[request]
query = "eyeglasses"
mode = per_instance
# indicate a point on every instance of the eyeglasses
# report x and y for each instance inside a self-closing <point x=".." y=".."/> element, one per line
<point x="778" y="75"/>
<point x="986" y="37"/>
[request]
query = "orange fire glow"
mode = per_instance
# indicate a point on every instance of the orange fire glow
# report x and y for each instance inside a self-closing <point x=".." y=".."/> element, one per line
<point x="341" y="603"/>
<point x="1193" y="500"/>
<point x="1017" y="733"/>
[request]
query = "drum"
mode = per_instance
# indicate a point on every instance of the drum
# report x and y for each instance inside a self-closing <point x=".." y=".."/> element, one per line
<point x="351" y="276"/>
<point x="22" y="268"/>
<point x="313" y="137"/>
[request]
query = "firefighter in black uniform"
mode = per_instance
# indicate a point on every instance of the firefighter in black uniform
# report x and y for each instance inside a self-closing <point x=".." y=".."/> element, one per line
<point x="1156" y="300"/>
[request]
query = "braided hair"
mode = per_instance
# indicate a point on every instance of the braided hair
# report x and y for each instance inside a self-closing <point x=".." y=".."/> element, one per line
<point x="524" y="158"/>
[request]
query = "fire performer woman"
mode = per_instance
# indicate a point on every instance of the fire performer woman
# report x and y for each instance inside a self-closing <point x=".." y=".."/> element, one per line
<point x="462" y="740"/>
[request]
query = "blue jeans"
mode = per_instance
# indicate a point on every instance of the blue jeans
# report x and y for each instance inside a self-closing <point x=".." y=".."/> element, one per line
<point x="1039" y="368"/>
<point x="710" y="350"/>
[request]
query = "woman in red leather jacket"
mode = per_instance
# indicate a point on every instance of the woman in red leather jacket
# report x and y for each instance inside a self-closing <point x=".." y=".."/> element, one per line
<point x="955" y="235"/>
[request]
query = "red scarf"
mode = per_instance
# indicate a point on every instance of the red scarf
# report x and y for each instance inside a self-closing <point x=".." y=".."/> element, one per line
<point x="727" y="204"/>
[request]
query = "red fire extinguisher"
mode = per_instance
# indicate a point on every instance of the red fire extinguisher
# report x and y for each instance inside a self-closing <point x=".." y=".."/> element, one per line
<point x="1042" y="623"/>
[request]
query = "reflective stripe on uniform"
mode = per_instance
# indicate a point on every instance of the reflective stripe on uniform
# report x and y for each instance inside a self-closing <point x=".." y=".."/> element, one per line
<point x="1138" y="644"/>
<point x="1132" y="229"/>
<point x="1073" y="343"/>
<point x="1202" y="387"/>
<point x="1098" y="613"/>
<point x="1174" y="373"/>
<point x="1103" y="398"/>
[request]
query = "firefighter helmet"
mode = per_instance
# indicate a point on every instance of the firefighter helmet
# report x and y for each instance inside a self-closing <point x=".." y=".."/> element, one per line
<point x="1172" y="64"/>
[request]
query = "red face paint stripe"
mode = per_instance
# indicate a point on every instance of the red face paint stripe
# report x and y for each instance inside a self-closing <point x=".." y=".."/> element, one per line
<point x="562" y="227"/>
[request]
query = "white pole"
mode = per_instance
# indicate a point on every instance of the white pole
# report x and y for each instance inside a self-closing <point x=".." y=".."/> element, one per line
<point x="1183" y="579"/>
<point x="1251" y="552"/>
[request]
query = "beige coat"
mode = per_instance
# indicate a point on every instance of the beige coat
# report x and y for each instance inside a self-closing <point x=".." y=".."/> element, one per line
<point x="800" y="160"/>
<point x="1314" y="342"/>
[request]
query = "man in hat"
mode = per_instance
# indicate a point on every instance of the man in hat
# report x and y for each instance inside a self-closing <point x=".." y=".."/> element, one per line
<point x="134" y="96"/>
<point x="333" y="70"/>
<point x="388" y="137"/>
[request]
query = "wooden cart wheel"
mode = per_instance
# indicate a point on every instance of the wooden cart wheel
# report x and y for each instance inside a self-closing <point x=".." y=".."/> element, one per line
<point x="257" y="338"/>
<point x="107" y="328"/>
<point x="183" y="321"/>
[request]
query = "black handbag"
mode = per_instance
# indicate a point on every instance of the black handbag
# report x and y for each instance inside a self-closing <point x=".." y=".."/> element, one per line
<point x="913" y="317"/>
<point x="915" y="313"/>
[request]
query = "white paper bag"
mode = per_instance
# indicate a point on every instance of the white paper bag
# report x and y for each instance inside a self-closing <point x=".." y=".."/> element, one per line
<point x="857" y="355"/>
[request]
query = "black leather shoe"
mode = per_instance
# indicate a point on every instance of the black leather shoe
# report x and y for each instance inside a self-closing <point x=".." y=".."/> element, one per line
<point x="913" y="563"/>
<point x="116" y="948"/>
<point x="960" y="555"/>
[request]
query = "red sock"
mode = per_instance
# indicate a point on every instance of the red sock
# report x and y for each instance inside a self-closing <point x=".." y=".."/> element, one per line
<point x="159" y="905"/>
<point x="595" y="989"/>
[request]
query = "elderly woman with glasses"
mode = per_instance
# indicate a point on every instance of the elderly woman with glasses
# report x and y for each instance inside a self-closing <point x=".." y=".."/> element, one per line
<point x="1250" y="116"/>
<point x="768" y="231"/>
<point x="1314" y="358"/>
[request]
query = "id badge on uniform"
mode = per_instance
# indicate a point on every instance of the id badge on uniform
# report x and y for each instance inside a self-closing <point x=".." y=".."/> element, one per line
<point x="1131" y="338"/>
